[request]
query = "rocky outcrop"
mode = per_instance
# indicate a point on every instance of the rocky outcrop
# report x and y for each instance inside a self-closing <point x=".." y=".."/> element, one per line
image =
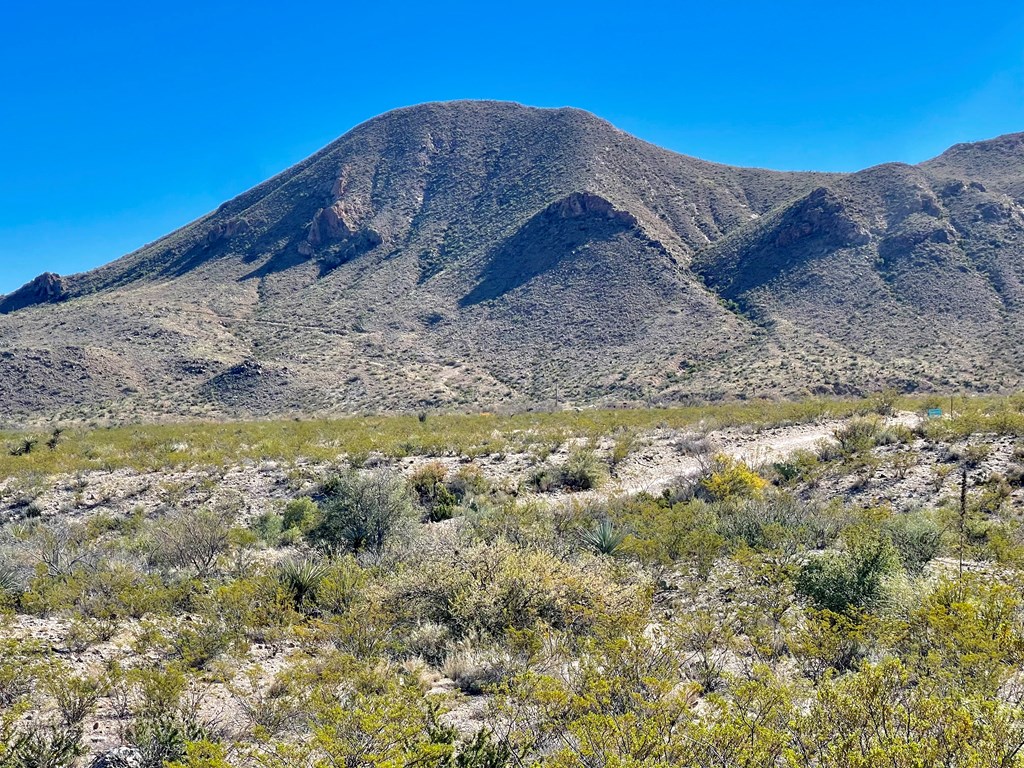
<point x="336" y="222"/>
<point x="581" y="204"/>
<point x="225" y="230"/>
<point x="119" y="757"/>
<point x="48" y="288"/>
<point x="820" y="214"/>
<point x="336" y="233"/>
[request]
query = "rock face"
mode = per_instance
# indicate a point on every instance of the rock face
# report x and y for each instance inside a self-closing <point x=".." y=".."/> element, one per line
<point x="581" y="204"/>
<point x="821" y="214"/>
<point x="225" y="230"/>
<point x="48" y="288"/>
<point x="119" y="757"/>
<point x="484" y="254"/>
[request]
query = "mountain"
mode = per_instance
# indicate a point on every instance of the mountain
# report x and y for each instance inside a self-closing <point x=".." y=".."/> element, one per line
<point x="493" y="255"/>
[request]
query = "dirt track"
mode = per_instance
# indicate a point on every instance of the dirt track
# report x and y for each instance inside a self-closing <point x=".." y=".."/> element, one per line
<point x="659" y="463"/>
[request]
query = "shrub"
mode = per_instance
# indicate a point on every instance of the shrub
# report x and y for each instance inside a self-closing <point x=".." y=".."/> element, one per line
<point x="545" y="478"/>
<point x="971" y="455"/>
<point x="468" y="481"/>
<point x="849" y="580"/>
<point x="473" y="670"/>
<point x="583" y="470"/>
<point x="75" y="697"/>
<point x="917" y="538"/>
<point x="159" y="691"/>
<point x="896" y="434"/>
<point x="857" y="436"/>
<point x="268" y="527"/>
<point x="272" y="707"/>
<point x="429" y="640"/>
<point x="687" y="531"/>
<point x="488" y="590"/>
<point x="779" y="521"/>
<point x="365" y="512"/>
<point x="884" y="403"/>
<point x="828" y="641"/>
<point x="300" y="514"/>
<point x="428" y="483"/>
<point x="193" y="540"/>
<point x="625" y="443"/>
<point x="731" y="479"/>
<point x="974" y="455"/>
<point x="341" y="585"/>
<point x="196" y="644"/>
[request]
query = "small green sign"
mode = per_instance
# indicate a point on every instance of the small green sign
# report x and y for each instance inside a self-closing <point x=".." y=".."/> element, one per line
<point x="934" y="413"/>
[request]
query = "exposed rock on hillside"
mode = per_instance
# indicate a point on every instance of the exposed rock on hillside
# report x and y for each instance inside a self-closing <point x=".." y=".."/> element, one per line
<point x="45" y="289"/>
<point x="493" y="255"/>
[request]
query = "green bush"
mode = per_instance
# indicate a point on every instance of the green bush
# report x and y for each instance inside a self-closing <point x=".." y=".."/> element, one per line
<point x="268" y="527"/>
<point x="301" y="514"/>
<point x="545" y="478"/>
<point x="364" y="512"/>
<point x="917" y="538"/>
<point x="849" y="580"/>
<point x="429" y="485"/>
<point x="489" y="589"/>
<point x="683" y="532"/>
<point x="583" y="470"/>
<point x="858" y="436"/>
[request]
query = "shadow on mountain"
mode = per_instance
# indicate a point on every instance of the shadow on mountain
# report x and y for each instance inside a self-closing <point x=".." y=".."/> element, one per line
<point x="784" y="242"/>
<point x="545" y="241"/>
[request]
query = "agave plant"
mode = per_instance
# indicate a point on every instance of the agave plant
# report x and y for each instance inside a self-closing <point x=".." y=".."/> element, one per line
<point x="604" y="538"/>
<point x="301" y="578"/>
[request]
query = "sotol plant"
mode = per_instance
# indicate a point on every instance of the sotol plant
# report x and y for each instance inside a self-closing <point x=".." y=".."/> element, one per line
<point x="604" y="538"/>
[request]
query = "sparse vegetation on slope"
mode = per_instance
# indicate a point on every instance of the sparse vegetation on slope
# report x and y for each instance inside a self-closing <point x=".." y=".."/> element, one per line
<point x="485" y="254"/>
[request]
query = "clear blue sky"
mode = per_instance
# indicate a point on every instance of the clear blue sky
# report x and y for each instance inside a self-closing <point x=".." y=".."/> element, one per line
<point x="122" y="121"/>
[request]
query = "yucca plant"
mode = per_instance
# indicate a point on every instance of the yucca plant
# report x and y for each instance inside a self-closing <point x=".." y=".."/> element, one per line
<point x="302" y="578"/>
<point x="604" y="538"/>
<point x="10" y="580"/>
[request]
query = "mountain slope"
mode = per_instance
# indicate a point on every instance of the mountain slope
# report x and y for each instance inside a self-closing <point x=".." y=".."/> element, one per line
<point x="489" y="254"/>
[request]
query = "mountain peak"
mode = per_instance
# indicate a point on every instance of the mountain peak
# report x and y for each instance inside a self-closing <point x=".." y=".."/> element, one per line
<point x="481" y="252"/>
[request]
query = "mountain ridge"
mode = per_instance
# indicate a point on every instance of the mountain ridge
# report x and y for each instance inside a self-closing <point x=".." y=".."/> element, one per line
<point x="487" y="254"/>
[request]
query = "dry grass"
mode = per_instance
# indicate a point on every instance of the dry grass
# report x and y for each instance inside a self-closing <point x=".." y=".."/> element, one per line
<point x="163" y="446"/>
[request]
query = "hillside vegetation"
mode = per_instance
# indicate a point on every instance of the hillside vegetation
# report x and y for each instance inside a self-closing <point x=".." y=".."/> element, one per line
<point x="484" y="254"/>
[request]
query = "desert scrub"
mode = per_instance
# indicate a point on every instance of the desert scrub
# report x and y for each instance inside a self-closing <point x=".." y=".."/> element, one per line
<point x="430" y="485"/>
<point x="364" y="512"/>
<point x="659" y="533"/>
<point x="488" y="590"/>
<point x="850" y="579"/>
<point x="167" y="446"/>
<point x="858" y="436"/>
<point x="583" y="470"/>
<point x="625" y="442"/>
<point x="730" y="479"/>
